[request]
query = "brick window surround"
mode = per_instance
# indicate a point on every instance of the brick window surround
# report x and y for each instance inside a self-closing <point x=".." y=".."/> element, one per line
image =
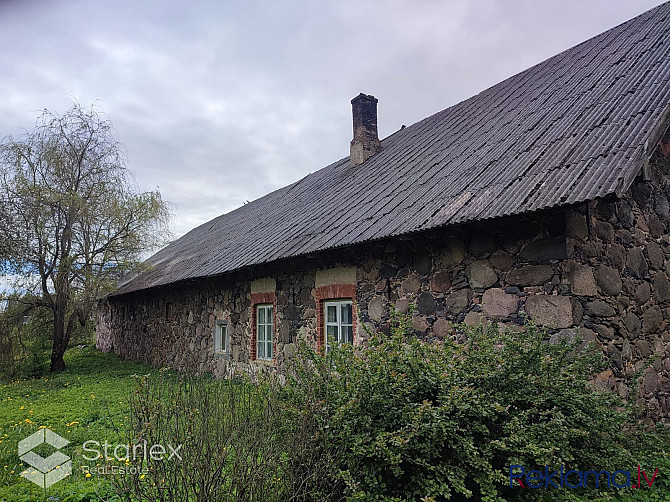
<point x="333" y="292"/>
<point x="263" y="299"/>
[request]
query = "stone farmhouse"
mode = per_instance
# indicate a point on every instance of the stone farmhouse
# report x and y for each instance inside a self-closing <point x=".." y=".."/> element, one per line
<point x="545" y="195"/>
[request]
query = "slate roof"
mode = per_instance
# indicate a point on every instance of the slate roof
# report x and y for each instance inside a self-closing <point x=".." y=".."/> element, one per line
<point x="573" y="128"/>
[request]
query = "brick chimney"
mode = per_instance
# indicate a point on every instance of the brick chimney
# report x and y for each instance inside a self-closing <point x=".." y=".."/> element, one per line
<point x="366" y="140"/>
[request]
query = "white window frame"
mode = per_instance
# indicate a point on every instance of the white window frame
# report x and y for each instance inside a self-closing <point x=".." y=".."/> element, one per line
<point x="267" y="330"/>
<point x="221" y="338"/>
<point x="338" y="322"/>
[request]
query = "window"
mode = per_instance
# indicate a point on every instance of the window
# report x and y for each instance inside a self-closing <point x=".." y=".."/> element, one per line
<point x="264" y="325"/>
<point x="221" y="341"/>
<point x="339" y="301"/>
<point x="338" y="322"/>
<point x="169" y="311"/>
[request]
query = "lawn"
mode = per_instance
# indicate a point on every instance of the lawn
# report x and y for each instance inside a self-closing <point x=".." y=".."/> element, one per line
<point x="223" y="427"/>
<point x="89" y="401"/>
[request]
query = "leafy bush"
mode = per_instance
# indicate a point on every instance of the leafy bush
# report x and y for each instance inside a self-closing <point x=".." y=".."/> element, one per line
<point x="24" y="341"/>
<point x="239" y="441"/>
<point x="407" y="420"/>
<point x="395" y="420"/>
<point x="26" y="334"/>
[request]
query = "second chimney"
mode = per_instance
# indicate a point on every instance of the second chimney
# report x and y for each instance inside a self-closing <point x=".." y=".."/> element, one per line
<point x="366" y="140"/>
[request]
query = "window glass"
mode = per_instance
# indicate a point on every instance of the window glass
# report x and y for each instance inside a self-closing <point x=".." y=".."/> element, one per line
<point x="331" y="313"/>
<point x="345" y="308"/>
<point x="347" y="334"/>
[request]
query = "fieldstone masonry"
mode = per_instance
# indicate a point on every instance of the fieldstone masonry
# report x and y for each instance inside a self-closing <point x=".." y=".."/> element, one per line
<point x="597" y="270"/>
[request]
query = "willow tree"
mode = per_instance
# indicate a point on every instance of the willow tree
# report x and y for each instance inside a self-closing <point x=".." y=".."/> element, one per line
<point x="73" y="221"/>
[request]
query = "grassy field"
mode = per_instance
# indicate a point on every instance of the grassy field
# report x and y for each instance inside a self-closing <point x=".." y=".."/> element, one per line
<point x="89" y="401"/>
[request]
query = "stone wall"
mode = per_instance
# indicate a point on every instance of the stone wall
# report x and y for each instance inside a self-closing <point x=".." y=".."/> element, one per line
<point x="599" y="270"/>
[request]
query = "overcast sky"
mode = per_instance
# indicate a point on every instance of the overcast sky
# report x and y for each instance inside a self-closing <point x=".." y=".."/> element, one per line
<point x="221" y="102"/>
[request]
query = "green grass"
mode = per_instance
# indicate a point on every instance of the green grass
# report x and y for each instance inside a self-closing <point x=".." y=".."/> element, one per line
<point x="89" y="401"/>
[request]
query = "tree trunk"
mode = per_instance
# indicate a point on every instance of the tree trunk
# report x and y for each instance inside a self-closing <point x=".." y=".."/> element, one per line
<point x="57" y="362"/>
<point x="59" y="343"/>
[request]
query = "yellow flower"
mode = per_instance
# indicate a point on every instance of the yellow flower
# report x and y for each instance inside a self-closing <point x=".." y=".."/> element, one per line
<point x="142" y="476"/>
<point x="88" y="474"/>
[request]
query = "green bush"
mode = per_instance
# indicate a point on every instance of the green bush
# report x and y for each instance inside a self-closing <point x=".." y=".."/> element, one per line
<point x="26" y="335"/>
<point x="24" y="341"/>
<point x="239" y="442"/>
<point x="397" y="419"/>
<point x="407" y="420"/>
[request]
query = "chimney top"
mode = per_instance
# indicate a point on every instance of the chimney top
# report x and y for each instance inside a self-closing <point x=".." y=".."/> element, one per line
<point x="366" y="139"/>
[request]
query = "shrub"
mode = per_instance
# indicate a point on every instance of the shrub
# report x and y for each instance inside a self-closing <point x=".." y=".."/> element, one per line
<point x="239" y="441"/>
<point x="408" y="420"/>
<point x="24" y="341"/>
<point x="395" y="420"/>
<point x="26" y="334"/>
